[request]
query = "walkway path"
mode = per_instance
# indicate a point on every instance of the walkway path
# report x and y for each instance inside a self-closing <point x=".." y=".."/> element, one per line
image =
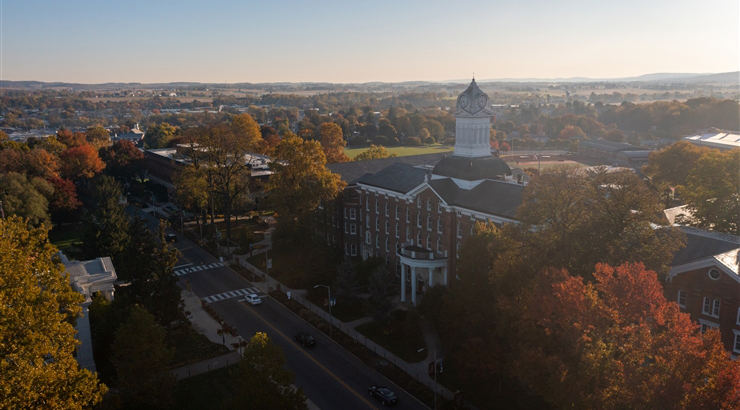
<point x="206" y="366"/>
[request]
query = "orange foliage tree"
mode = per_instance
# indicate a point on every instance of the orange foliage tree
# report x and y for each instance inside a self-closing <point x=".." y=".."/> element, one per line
<point x="81" y="162"/>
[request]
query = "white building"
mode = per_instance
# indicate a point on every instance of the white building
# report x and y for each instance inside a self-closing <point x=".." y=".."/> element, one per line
<point x="714" y="138"/>
<point x="87" y="278"/>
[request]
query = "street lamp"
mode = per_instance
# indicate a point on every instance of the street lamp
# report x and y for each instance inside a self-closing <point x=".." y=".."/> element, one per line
<point x="330" y="316"/>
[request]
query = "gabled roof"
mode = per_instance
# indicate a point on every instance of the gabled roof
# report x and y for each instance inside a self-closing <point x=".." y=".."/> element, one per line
<point x="397" y="177"/>
<point x="354" y="170"/>
<point x="702" y="244"/>
<point x="492" y="197"/>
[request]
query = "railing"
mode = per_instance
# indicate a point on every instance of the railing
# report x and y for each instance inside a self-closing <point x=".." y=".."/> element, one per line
<point x="415" y="252"/>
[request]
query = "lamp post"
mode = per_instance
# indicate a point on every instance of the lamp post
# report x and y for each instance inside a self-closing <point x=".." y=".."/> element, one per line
<point x="328" y="288"/>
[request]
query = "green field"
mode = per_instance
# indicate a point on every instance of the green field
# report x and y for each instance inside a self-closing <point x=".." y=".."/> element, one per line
<point x="404" y="151"/>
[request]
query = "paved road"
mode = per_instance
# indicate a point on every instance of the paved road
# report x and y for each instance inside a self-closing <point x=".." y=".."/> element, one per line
<point x="330" y="376"/>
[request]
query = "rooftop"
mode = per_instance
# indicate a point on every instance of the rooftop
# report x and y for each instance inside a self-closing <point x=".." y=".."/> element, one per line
<point x="716" y="139"/>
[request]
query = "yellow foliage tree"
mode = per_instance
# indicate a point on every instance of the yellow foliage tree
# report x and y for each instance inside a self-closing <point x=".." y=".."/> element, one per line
<point x="333" y="143"/>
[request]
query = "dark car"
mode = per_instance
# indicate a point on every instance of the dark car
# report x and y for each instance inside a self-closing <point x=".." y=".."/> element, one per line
<point x="384" y="394"/>
<point x="170" y="237"/>
<point x="305" y="339"/>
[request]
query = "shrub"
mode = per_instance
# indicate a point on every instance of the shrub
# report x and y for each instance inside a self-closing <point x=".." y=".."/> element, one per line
<point x="413" y="141"/>
<point x="429" y="140"/>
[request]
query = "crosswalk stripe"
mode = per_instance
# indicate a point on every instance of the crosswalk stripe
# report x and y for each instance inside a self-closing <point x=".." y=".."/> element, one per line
<point x="231" y="294"/>
<point x="237" y="293"/>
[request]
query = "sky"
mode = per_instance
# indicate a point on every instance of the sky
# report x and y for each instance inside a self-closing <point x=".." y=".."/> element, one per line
<point x="230" y="41"/>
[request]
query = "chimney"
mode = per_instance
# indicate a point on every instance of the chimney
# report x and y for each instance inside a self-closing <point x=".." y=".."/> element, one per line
<point x="519" y="178"/>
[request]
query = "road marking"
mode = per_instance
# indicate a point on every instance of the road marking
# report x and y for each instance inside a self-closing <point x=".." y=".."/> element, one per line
<point x="290" y="340"/>
<point x="195" y="268"/>
<point x="182" y="266"/>
<point x="231" y="294"/>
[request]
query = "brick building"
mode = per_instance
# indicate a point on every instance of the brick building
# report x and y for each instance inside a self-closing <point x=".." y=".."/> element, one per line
<point x="415" y="212"/>
<point x="704" y="282"/>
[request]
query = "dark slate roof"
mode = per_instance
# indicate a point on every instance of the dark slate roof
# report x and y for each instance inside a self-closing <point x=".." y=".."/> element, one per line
<point x="702" y="244"/>
<point x="472" y="169"/>
<point x="354" y="170"/>
<point x="607" y="145"/>
<point x="397" y="177"/>
<point x="491" y="197"/>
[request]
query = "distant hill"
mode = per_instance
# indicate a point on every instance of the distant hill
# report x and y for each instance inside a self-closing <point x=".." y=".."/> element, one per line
<point x="732" y="77"/>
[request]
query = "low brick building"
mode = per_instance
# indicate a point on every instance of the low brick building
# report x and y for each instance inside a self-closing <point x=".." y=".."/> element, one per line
<point x="705" y="283"/>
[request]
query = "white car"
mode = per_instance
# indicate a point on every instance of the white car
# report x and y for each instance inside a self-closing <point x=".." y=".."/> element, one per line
<point x="253" y="299"/>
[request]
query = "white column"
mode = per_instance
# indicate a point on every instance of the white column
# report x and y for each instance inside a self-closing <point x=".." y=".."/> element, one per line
<point x="413" y="285"/>
<point x="444" y="272"/>
<point x="403" y="282"/>
<point x="431" y="272"/>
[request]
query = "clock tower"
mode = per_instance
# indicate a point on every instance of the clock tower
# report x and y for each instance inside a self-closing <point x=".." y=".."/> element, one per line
<point x="472" y="160"/>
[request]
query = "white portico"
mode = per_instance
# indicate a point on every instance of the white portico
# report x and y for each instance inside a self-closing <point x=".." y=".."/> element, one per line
<point x="417" y="260"/>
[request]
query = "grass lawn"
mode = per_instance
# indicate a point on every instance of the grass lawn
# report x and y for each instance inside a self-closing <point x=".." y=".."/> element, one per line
<point x="204" y="391"/>
<point x="404" y="151"/>
<point x="191" y="346"/>
<point x="400" y="338"/>
<point x="66" y="237"/>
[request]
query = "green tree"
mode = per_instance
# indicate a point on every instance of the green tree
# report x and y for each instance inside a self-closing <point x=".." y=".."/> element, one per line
<point x="106" y="230"/>
<point x="381" y="286"/>
<point x="347" y="285"/>
<point x="573" y="219"/>
<point x="375" y="152"/>
<point x="435" y="128"/>
<point x="712" y="191"/>
<point x="301" y="180"/>
<point x="25" y="197"/>
<point x="141" y="358"/>
<point x="159" y="136"/>
<point x="260" y="381"/>
<point x="37" y="366"/>
<point x="673" y="164"/>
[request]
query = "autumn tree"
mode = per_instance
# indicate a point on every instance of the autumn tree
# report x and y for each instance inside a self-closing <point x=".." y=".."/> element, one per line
<point x="574" y="219"/>
<point x="301" y="180"/>
<point x="617" y="343"/>
<point x="25" y="197"/>
<point x="375" y="152"/>
<point x="80" y="162"/>
<point x="247" y="130"/>
<point x="64" y="197"/>
<point x="571" y="132"/>
<point x="261" y="381"/>
<point x="70" y="139"/>
<point x="106" y="225"/>
<point x="97" y="135"/>
<point x="435" y="128"/>
<point x="122" y="158"/>
<point x="673" y="164"/>
<point x="333" y="143"/>
<point x="225" y="156"/>
<point x="141" y="358"/>
<point x="615" y="135"/>
<point x="712" y="191"/>
<point x="37" y="343"/>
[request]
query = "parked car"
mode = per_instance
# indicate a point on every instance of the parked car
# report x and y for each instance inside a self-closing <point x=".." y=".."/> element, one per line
<point x="305" y="339"/>
<point x="171" y="237"/>
<point x="253" y="299"/>
<point x="384" y="394"/>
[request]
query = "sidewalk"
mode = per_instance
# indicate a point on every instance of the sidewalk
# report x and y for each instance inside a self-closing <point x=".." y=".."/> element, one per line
<point x="206" y="366"/>
<point x="203" y="323"/>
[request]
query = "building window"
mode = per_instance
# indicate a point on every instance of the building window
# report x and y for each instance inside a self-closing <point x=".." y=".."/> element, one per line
<point x="346" y="227"/>
<point x="386" y="209"/>
<point x="457" y="253"/>
<point x="376" y="206"/>
<point x="439" y="225"/>
<point x="345" y="213"/>
<point x="459" y="230"/>
<point x="352" y="213"/>
<point x="737" y="321"/>
<point x="707" y="325"/>
<point x="418" y="239"/>
<point x="377" y="224"/>
<point x="736" y="345"/>
<point x="429" y="223"/>
<point x="367" y="204"/>
<point x="353" y="249"/>
<point x="377" y="241"/>
<point x="387" y="245"/>
<point x="429" y="242"/>
<point x="710" y="307"/>
<point x="715" y="308"/>
<point x="408" y="233"/>
<point x="418" y="219"/>
<point x="397" y="231"/>
<point x="396" y="212"/>
<point x="682" y="298"/>
<point x="387" y="227"/>
<point x="408" y="219"/>
<point x="714" y="274"/>
<point x="418" y="202"/>
<point x="429" y="204"/>
<point x="352" y="229"/>
<point x="367" y="221"/>
<point x="439" y="245"/>
<point x="439" y="207"/>
<point x="368" y="238"/>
